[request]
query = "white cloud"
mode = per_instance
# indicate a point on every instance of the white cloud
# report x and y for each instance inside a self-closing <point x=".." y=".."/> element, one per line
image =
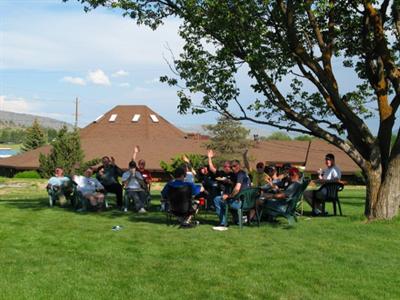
<point x="120" y="73"/>
<point x="98" y="77"/>
<point x="124" y="84"/>
<point x="74" y="80"/>
<point x="18" y="105"/>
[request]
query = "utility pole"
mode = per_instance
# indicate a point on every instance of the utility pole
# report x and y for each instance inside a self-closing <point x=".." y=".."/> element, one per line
<point x="76" y="112"/>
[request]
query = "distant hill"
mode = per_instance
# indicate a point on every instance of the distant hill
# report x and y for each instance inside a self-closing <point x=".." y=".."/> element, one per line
<point x="12" y="119"/>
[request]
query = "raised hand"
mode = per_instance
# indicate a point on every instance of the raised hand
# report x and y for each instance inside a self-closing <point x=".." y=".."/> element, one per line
<point x="210" y="153"/>
<point x="137" y="149"/>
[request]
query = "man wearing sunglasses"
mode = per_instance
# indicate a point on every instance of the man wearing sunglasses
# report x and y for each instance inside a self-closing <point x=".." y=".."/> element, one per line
<point x="242" y="181"/>
<point x="331" y="173"/>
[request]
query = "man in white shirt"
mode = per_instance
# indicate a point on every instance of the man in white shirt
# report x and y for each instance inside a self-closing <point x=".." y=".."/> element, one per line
<point x="134" y="185"/>
<point x="59" y="187"/>
<point x="90" y="188"/>
<point x="330" y="174"/>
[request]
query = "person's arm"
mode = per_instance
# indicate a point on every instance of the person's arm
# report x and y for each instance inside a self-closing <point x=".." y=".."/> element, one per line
<point x="136" y="150"/>
<point x="187" y="160"/>
<point x="235" y="191"/>
<point x="210" y="155"/>
<point x="277" y="196"/>
<point x="246" y="161"/>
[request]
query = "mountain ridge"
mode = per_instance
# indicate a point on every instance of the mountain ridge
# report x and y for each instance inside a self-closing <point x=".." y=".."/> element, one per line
<point x="13" y="119"/>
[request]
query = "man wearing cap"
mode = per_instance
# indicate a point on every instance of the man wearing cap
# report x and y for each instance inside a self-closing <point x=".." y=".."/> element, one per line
<point x="258" y="176"/>
<point x="330" y="174"/>
<point x="272" y="198"/>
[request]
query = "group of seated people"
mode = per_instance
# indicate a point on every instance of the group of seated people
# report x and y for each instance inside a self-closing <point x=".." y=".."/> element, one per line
<point x="220" y="187"/>
<point x="136" y="182"/>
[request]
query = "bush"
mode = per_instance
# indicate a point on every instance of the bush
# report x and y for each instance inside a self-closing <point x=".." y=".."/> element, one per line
<point x="196" y="160"/>
<point x="27" y="174"/>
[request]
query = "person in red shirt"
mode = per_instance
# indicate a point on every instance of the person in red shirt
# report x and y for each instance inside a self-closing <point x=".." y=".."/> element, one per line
<point x="145" y="173"/>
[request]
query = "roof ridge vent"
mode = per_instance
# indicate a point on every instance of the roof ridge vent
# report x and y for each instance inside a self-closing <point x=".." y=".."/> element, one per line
<point x="98" y="118"/>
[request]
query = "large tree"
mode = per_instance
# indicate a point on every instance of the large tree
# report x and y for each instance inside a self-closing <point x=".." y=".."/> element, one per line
<point x="301" y="42"/>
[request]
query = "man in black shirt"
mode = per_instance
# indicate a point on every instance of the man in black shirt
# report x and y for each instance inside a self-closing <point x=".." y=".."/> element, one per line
<point x="108" y="174"/>
<point x="242" y="181"/>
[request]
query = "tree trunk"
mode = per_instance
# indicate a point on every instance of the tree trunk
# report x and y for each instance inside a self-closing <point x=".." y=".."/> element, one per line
<point x="383" y="198"/>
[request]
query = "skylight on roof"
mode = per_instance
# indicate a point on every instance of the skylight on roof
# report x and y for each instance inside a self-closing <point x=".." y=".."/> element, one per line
<point x="113" y="118"/>
<point x="136" y="118"/>
<point x="98" y="118"/>
<point x="154" y="118"/>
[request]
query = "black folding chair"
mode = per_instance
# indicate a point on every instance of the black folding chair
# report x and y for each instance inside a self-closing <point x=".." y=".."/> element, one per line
<point x="179" y="203"/>
<point x="330" y="190"/>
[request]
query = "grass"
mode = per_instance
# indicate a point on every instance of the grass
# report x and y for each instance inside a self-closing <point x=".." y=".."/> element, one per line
<point x="57" y="253"/>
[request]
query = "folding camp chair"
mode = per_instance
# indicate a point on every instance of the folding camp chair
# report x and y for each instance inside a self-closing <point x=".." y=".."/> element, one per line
<point x="179" y="203"/>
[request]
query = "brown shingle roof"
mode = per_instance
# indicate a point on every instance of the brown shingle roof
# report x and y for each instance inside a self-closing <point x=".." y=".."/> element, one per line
<point x="316" y="158"/>
<point x="162" y="141"/>
<point x="157" y="140"/>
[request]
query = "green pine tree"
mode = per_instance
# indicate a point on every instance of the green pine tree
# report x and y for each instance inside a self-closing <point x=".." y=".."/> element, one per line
<point x="35" y="137"/>
<point x="66" y="152"/>
<point x="229" y="138"/>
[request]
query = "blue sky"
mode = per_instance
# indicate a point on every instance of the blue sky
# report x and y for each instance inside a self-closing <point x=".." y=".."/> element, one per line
<point x="52" y="52"/>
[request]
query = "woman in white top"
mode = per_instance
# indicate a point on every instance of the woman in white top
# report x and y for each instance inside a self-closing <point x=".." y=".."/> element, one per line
<point x="90" y="188"/>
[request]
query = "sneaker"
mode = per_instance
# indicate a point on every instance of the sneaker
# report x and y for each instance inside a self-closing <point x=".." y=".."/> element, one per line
<point x="195" y="222"/>
<point x="125" y="210"/>
<point x="220" y="228"/>
<point x="142" y="211"/>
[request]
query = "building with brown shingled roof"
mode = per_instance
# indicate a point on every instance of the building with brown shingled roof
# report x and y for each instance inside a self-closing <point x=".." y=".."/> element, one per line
<point x="118" y="131"/>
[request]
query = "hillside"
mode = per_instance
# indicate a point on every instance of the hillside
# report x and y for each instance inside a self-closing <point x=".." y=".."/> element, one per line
<point x="12" y="119"/>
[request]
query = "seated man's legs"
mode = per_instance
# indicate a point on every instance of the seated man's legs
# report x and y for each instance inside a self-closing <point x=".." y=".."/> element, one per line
<point x="220" y="205"/>
<point x="99" y="198"/>
<point x="91" y="198"/>
<point x="319" y="196"/>
<point x="195" y="208"/>
<point x="234" y="204"/>
<point x="116" y="189"/>
<point x="139" y="198"/>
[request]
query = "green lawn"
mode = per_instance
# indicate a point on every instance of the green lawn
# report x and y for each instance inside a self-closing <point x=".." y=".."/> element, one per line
<point x="57" y="253"/>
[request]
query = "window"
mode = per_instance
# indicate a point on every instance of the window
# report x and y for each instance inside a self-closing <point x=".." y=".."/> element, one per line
<point x="154" y="118"/>
<point x="113" y="118"/>
<point x="98" y="118"/>
<point x="136" y="118"/>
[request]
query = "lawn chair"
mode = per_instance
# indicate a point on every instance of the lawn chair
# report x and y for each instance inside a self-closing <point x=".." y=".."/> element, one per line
<point x="248" y="198"/>
<point x="331" y="195"/>
<point x="287" y="207"/>
<point x="179" y="203"/>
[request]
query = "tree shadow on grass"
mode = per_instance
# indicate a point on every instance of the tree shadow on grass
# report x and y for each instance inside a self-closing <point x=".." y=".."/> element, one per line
<point x="35" y="204"/>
